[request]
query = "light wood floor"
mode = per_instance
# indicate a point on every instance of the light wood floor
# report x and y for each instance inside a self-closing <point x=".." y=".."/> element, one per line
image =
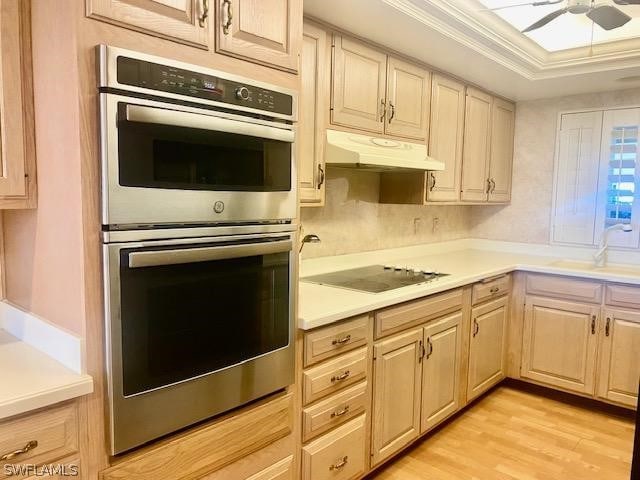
<point x="515" y="434"/>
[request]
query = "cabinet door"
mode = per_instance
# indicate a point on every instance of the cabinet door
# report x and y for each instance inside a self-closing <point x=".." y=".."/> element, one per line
<point x="16" y="112"/>
<point x="477" y="146"/>
<point x="445" y="138"/>
<point x="408" y="97"/>
<point x="487" y="346"/>
<point x="559" y="343"/>
<point x="358" y="93"/>
<point x="441" y="370"/>
<point x="262" y="31"/>
<point x="312" y="108"/>
<point x="501" y="164"/>
<point x="186" y="21"/>
<point x="397" y="370"/>
<point x="619" y="368"/>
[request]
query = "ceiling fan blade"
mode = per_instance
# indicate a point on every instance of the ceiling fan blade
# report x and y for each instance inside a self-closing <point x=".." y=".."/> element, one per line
<point x="608" y="17"/>
<point x="532" y="4"/>
<point x="626" y="2"/>
<point x="544" y="20"/>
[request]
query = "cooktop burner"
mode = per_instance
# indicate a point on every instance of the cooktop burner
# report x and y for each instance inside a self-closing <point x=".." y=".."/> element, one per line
<point x="376" y="278"/>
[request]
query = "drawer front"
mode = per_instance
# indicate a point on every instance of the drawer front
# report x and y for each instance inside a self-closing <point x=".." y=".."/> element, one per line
<point x="283" y="470"/>
<point x="491" y="288"/>
<point x="338" y="455"/>
<point x="622" y="296"/>
<point x="330" y="341"/>
<point x="401" y="317"/>
<point x="55" y="431"/>
<point x="334" y="411"/>
<point x="566" y="288"/>
<point x="335" y="374"/>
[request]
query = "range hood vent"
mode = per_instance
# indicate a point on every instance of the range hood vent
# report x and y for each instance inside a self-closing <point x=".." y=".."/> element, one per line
<point x="352" y="150"/>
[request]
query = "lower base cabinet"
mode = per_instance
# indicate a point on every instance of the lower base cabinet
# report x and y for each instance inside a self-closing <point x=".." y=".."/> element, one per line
<point x="282" y="470"/>
<point x="487" y="346"/>
<point x="619" y="355"/>
<point x="337" y="455"/>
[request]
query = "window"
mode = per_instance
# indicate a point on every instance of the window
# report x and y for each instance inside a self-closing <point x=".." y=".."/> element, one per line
<point x="596" y="177"/>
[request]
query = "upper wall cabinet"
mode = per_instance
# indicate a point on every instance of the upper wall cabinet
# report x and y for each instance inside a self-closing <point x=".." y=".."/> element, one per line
<point x="501" y="163"/>
<point x="185" y="21"/>
<point x="265" y="31"/>
<point x="313" y="102"/>
<point x="378" y="93"/>
<point x="17" y="141"/>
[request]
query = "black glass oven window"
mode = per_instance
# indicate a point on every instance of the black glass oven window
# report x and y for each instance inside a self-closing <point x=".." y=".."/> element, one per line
<point x="182" y="321"/>
<point x="161" y="156"/>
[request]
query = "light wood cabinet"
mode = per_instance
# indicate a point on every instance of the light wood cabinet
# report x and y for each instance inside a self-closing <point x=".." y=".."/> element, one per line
<point x="477" y="146"/>
<point x="397" y="372"/>
<point x="619" y="364"/>
<point x="487" y="346"/>
<point x="441" y="370"/>
<point x="559" y="343"/>
<point x="501" y="163"/>
<point x="408" y="97"/>
<point x="358" y="85"/>
<point x="312" y="111"/>
<point x="446" y="138"/>
<point x="17" y="140"/>
<point x="184" y="21"/>
<point x="262" y="31"/>
<point x="282" y="470"/>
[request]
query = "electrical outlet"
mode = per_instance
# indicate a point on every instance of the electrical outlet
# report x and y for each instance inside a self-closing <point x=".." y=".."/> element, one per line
<point x="435" y="225"/>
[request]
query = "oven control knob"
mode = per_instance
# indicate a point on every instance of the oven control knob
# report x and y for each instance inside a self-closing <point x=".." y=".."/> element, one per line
<point x="242" y="93"/>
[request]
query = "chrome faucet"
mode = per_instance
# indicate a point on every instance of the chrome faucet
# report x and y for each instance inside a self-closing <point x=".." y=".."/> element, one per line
<point x="308" y="239"/>
<point x="600" y="257"/>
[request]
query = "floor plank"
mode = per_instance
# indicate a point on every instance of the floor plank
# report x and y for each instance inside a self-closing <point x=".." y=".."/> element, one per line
<point x="513" y="434"/>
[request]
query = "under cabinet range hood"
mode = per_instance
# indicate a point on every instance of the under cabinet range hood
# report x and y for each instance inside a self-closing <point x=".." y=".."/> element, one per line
<point x="346" y="149"/>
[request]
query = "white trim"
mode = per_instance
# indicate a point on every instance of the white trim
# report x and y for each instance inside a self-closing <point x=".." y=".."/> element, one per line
<point x="53" y="341"/>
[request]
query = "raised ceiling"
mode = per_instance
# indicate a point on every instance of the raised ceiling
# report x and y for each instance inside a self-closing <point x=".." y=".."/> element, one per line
<point x="461" y="37"/>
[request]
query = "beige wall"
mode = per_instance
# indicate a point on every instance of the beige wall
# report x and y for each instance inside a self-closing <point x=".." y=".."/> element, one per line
<point x="353" y="221"/>
<point x="528" y="217"/>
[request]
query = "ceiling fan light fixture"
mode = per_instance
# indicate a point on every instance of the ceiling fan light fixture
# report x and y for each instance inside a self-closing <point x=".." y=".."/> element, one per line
<point x="578" y="7"/>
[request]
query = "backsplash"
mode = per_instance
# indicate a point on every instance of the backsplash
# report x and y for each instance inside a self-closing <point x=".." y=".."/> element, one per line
<point x="352" y="220"/>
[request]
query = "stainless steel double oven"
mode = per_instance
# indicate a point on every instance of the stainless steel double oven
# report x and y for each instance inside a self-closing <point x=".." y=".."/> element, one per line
<point x="198" y="210"/>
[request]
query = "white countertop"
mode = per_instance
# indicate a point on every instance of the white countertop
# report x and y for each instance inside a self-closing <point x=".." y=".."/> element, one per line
<point x="30" y="379"/>
<point x="466" y="261"/>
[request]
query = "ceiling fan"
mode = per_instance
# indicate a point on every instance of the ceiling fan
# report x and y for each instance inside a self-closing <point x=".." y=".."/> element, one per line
<point x="604" y="15"/>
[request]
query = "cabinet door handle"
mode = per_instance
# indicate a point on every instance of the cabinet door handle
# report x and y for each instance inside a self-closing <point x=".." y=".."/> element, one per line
<point x="433" y="181"/>
<point x="393" y="112"/>
<point x="493" y="185"/>
<point x="29" y="446"/>
<point x="593" y="324"/>
<point x="337" y="466"/>
<point x="205" y="13"/>
<point x="340" y="413"/>
<point x="383" y="107"/>
<point x="476" y="327"/>
<point x="488" y="185"/>
<point x="341" y="341"/>
<point x="421" y="351"/>
<point x="607" y="328"/>
<point x="430" y="345"/>
<point x="226" y="26"/>
<point x="320" y="176"/>
<point x="342" y="376"/>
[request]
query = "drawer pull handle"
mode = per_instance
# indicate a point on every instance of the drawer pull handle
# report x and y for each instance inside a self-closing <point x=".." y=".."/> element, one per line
<point x="340" y="464"/>
<point x="342" y="376"/>
<point x="494" y="289"/>
<point x="29" y="446"/>
<point x="607" y="328"/>
<point x="341" y="341"/>
<point x="476" y="327"/>
<point x="340" y="413"/>
<point x="593" y="325"/>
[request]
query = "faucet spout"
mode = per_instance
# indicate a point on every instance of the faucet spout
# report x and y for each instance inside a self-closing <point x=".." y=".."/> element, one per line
<point x="600" y="257"/>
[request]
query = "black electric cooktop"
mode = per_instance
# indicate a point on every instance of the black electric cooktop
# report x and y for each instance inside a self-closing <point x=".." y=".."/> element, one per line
<point x="376" y="278"/>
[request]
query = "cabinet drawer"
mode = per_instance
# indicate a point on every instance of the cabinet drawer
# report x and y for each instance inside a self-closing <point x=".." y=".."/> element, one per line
<point x="55" y="431"/>
<point x="283" y="470"/>
<point x="338" y="455"/>
<point x="622" y="296"/>
<point x="491" y="288"/>
<point x="566" y="288"/>
<point x="334" y="375"/>
<point x="401" y="317"/>
<point x="334" y="411"/>
<point x="329" y="341"/>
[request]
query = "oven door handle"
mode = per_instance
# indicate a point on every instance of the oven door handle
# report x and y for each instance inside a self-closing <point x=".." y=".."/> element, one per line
<point x="177" y="118"/>
<point x="205" y="254"/>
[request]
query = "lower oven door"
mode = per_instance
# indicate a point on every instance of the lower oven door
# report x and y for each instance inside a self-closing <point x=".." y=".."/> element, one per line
<point x="195" y="329"/>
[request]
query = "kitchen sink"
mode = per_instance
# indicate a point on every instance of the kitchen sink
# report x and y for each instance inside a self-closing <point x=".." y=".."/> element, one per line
<point x="589" y="266"/>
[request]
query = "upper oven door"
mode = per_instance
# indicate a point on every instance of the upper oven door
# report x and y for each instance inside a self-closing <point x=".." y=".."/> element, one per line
<point x="173" y="164"/>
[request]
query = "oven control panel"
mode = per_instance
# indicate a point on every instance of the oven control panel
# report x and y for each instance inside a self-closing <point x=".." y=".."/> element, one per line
<point x="163" y="78"/>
